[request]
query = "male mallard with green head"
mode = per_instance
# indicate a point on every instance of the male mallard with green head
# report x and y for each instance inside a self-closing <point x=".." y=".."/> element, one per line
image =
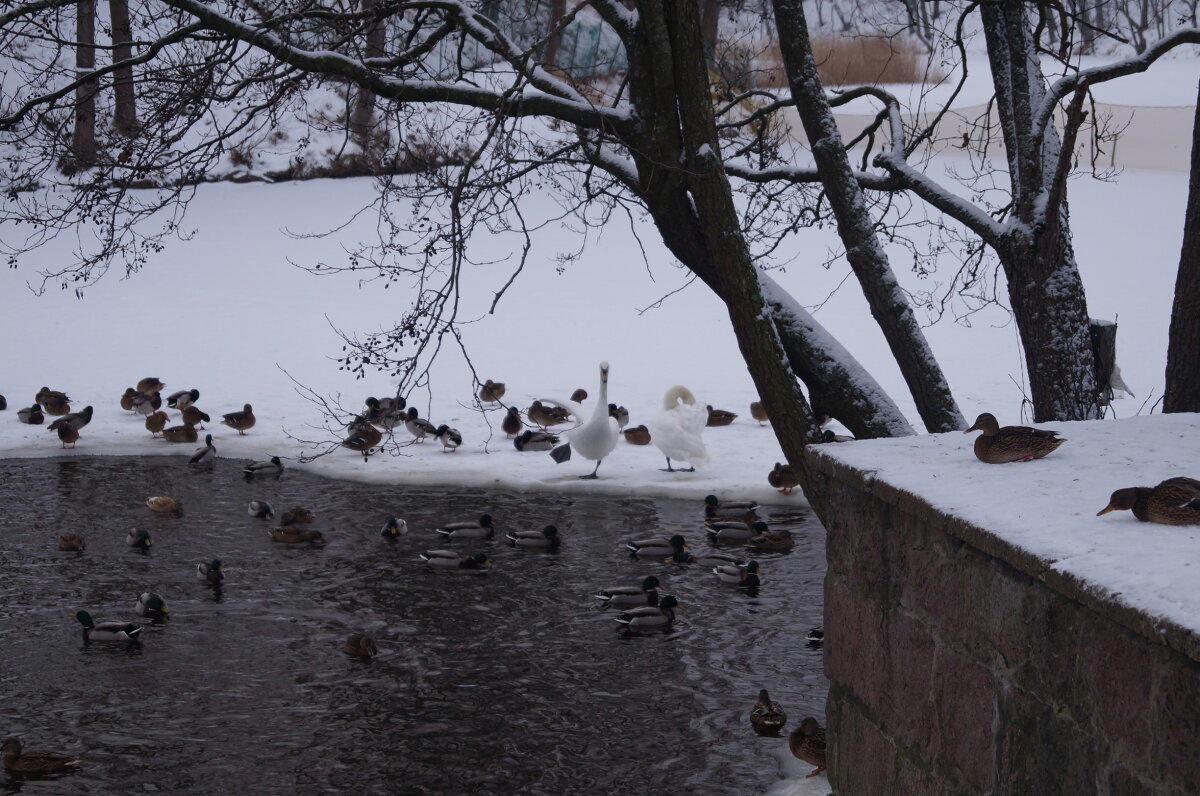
<point x="210" y="572"/>
<point x="656" y="546"/>
<point x="645" y="593"/>
<point x="767" y="716"/>
<point x="649" y="616"/>
<point x="394" y="528"/>
<point x="1003" y="444"/>
<point x="745" y="575"/>
<point x="183" y="399"/>
<point x="1175" y="501"/>
<point x="205" y="455"/>
<point x="547" y="538"/>
<point x="107" y="632"/>
<point x="35" y="762"/>
<point x="483" y="528"/>
<point x="152" y="606"/>
<point x="453" y="558"/>
<point x="31" y="416"/>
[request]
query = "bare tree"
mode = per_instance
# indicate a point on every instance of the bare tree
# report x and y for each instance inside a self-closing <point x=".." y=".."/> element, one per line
<point x="362" y="114"/>
<point x="83" y="136"/>
<point x="558" y="9"/>
<point x="1183" y="348"/>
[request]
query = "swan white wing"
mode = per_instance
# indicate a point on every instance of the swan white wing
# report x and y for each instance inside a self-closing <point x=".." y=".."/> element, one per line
<point x="678" y="434"/>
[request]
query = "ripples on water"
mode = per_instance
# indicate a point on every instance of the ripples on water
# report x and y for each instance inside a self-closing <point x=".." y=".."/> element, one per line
<point x="511" y="681"/>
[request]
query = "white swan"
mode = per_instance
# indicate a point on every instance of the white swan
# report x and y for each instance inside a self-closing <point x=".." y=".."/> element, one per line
<point x="594" y="439"/>
<point x="677" y="429"/>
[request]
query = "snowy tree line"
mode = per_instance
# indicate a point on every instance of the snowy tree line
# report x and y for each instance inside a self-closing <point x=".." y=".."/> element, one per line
<point x="663" y="137"/>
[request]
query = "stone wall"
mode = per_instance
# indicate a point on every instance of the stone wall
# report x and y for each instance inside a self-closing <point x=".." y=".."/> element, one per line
<point x="959" y="664"/>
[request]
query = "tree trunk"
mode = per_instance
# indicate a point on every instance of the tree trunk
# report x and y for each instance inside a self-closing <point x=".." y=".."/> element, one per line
<point x="362" y="113"/>
<point x="1183" y="347"/>
<point x="1104" y="352"/>
<point x="889" y="306"/>
<point x="558" y="9"/>
<point x="125" y="107"/>
<point x="1044" y="287"/>
<point x="83" y="137"/>
<point x="710" y="25"/>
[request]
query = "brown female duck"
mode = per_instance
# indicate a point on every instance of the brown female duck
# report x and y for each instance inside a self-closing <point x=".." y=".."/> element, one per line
<point x="491" y="391"/>
<point x="156" y="422"/>
<point x="546" y="416"/>
<point x="638" y="435"/>
<point x="767" y="716"/>
<point x="360" y="645"/>
<point x="719" y="417"/>
<point x="184" y="433"/>
<point x="511" y="425"/>
<point x="1001" y="445"/>
<point x="193" y="416"/>
<point x="290" y="535"/>
<point x="53" y="402"/>
<point x="759" y="413"/>
<point x="241" y="421"/>
<point x="807" y="743"/>
<point x="35" y="762"/>
<point x="783" y="478"/>
<point x="150" y="385"/>
<point x="127" y="399"/>
<point x="1175" y="501"/>
<point x="71" y="543"/>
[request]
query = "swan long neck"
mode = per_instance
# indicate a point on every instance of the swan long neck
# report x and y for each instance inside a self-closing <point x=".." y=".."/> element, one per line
<point x="676" y="394"/>
<point x="602" y="399"/>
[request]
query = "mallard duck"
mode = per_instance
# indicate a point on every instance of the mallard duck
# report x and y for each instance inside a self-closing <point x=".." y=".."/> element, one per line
<point x="649" y="616"/>
<point x="150" y="385"/>
<point x="107" y="631"/>
<point x="783" y="477"/>
<point x="156" y="422"/>
<point x="645" y="593"/>
<point x="730" y="512"/>
<point x="418" y="426"/>
<point x="205" y="455"/>
<point x="385" y="412"/>
<point x="35" y="762"/>
<point x="453" y="558"/>
<point x="579" y="396"/>
<point x="297" y="516"/>
<point x="76" y="420"/>
<point x="271" y="467"/>
<point x="127" y="399"/>
<point x="546" y="416"/>
<point x="449" y="437"/>
<point x="192" y="416"/>
<point x="71" y="543"/>
<point x="53" y="402"/>
<point x="210" y="572"/>
<point x="828" y="436"/>
<point x="1175" y="501"/>
<point x="260" y="510"/>
<point x="363" y="437"/>
<point x="719" y="558"/>
<point x="31" y="416"/>
<point x="759" y="413"/>
<point x="511" y="424"/>
<point x="3" y="403"/>
<point x="241" y="421"/>
<point x="165" y="505"/>
<point x="807" y="743"/>
<point x="767" y="716"/>
<point x="491" y="391"/>
<point x="773" y="541"/>
<point x="745" y="575"/>
<point x="547" y="538"/>
<point x="734" y="531"/>
<point x="288" y="535"/>
<point x="620" y="414"/>
<point x="714" y="507"/>
<point x="67" y="435"/>
<point x="638" y="435"/>
<point x="719" y="417"/>
<point x="360" y="645"/>
<point x="144" y="405"/>
<point x="152" y="606"/>
<point x="138" y="538"/>
<point x="483" y="528"/>
<point x="372" y="412"/>
<point x="184" y="433"/>
<point x="815" y="636"/>
<point x="183" y="399"/>
<point x="998" y="445"/>
<point x="530" y="440"/>
<point x="657" y="546"/>
<point x="393" y="528"/>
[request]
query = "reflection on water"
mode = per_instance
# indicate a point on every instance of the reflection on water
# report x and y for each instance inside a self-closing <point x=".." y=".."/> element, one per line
<point x="509" y="681"/>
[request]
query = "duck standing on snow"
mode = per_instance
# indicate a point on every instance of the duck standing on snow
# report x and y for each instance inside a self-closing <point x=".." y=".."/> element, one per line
<point x="182" y="399"/>
<point x="530" y="440"/>
<point x="1175" y="501"/>
<point x="579" y="396"/>
<point x="53" y="402"/>
<point x="1001" y="445"/>
<point x="192" y="416"/>
<point x="807" y="743"/>
<point x="150" y="385"/>
<point x="184" y="433"/>
<point x="511" y="424"/>
<point x="363" y="437"/>
<point x="32" y="415"/>
<point x="491" y="391"/>
<point x="638" y="435"/>
<point x="620" y="414"/>
<point x="156" y="422"/>
<point x="677" y="430"/>
<point x="205" y="455"/>
<point x="759" y="413"/>
<point x="546" y="416"/>
<point x="449" y="437"/>
<point x="271" y="467"/>
<point x="719" y="417"/>
<point x="145" y="404"/>
<point x="783" y="477"/>
<point x="3" y="403"/>
<point x="76" y="420"/>
<point x="594" y="439"/>
<point x="418" y="426"/>
<point x="68" y="434"/>
<point x="240" y="421"/>
<point x="127" y="399"/>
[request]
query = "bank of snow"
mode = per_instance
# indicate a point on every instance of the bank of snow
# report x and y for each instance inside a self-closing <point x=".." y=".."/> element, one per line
<point x="1048" y="507"/>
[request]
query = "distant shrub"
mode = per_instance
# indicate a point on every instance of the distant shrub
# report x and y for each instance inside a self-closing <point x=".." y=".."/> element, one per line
<point x="852" y="61"/>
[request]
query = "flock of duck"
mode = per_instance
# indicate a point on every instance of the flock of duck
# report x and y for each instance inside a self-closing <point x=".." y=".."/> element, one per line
<point x="637" y="606"/>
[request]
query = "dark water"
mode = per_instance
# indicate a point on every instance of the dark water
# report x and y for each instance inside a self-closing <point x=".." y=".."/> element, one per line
<point x="512" y="681"/>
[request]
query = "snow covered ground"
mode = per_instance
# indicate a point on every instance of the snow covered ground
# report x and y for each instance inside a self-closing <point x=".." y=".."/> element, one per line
<point x="1049" y="506"/>
<point x="226" y="311"/>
